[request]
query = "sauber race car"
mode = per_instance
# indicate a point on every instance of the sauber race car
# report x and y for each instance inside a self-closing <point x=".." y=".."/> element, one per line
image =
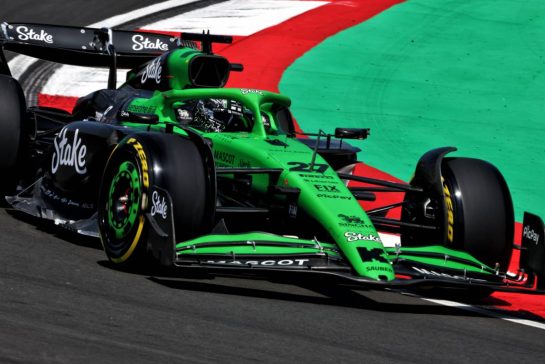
<point x="172" y="167"/>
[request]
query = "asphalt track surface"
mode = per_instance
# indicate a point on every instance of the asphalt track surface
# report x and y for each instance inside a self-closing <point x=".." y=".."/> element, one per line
<point x="60" y="301"/>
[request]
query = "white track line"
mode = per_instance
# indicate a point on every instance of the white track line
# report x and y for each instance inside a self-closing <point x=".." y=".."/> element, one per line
<point x="139" y="13"/>
<point x="486" y="312"/>
<point x="236" y="17"/>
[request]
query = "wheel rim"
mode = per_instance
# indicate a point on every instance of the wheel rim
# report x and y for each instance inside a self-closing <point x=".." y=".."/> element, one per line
<point x="124" y="197"/>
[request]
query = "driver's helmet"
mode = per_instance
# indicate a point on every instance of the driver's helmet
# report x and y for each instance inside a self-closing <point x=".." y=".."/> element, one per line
<point x="209" y="115"/>
<point x="204" y="116"/>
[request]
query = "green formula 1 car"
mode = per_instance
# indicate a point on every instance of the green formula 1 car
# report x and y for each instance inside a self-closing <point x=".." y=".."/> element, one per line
<point x="175" y="168"/>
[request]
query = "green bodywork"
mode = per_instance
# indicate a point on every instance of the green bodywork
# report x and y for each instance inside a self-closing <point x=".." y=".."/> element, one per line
<point x="323" y="195"/>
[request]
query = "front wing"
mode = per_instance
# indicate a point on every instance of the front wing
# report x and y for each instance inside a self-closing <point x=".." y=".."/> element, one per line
<point x="264" y="254"/>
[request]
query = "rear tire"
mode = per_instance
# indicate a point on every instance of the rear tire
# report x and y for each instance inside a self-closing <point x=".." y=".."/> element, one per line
<point x="12" y="125"/>
<point x="136" y="164"/>
<point x="483" y="218"/>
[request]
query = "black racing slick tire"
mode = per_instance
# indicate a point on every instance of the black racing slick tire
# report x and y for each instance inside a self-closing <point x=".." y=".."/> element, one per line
<point x="12" y="124"/>
<point x="480" y="210"/>
<point x="139" y="162"/>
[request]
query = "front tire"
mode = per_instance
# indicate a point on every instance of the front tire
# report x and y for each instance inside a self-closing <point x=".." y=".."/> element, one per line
<point x="136" y="164"/>
<point x="482" y="220"/>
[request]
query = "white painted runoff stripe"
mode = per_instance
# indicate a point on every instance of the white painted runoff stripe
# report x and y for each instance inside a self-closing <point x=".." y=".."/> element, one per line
<point x="486" y="312"/>
<point x="76" y="81"/>
<point x="139" y="13"/>
<point x="236" y="17"/>
<point x="19" y="64"/>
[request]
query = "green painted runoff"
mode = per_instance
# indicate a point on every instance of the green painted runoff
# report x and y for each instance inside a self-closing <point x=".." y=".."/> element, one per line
<point x="430" y="73"/>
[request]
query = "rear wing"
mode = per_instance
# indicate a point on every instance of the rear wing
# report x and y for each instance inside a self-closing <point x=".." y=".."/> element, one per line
<point x="94" y="47"/>
<point x="81" y="46"/>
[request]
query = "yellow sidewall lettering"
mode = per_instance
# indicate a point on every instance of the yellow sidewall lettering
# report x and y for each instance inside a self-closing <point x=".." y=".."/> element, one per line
<point x="450" y="213"/>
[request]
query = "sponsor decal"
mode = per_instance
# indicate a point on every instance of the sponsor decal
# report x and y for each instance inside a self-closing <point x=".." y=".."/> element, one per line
<point x="450" y="213"/>
<point x="312" y="180"/>
<point x="444" y="275"/>
<point x="141" y="43"/>
<point x="224" y="157"/>
<point x="26" y="33"/>
<point x="376" y="254"/>
<point x="379" y="269"/>
<point x="183" y="115"/>
<point x="271" y="262"/>
<point x="152" y="71"/>
<point x="315" y="176"/>
<point x="530" y="234"/>
<point x="352" y="221"/>
<point x="246" y="91"/>
<point x="141" y="109"/>
<point x="159" y="205"/>
<point x="323" y="195"/>
<point x="244" y="163"/>
<point x="306" y="167"/>
<point x="327" y="188"/>
<point x="69" y="153"/>
<point x="66" y="201"/>
<point x="350" y="236"/>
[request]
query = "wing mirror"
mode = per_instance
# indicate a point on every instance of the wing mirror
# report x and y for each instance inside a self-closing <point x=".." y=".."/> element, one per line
<point x="352" y="133"/>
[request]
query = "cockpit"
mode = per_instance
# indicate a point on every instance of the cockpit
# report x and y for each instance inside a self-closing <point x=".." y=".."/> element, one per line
<point x="219" y="115"/>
